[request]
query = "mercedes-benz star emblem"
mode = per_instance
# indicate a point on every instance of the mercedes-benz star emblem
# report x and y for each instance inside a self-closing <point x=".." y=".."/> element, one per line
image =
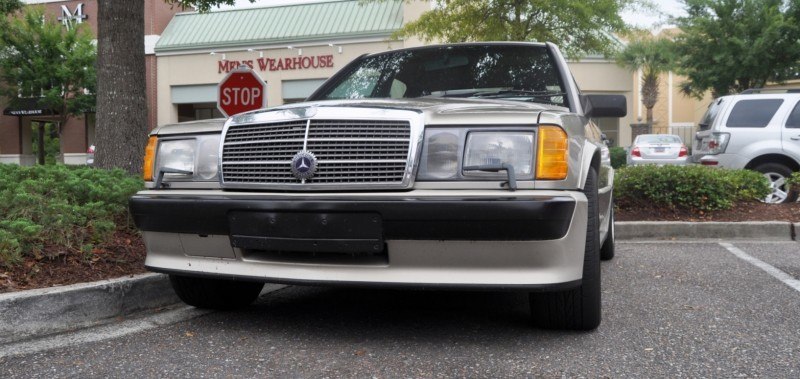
<point x="304" y="165"/>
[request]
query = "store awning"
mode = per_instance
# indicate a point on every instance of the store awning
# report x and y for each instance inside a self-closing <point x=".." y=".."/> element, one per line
<point x="27" y="107"/>
<point x="295" y="23"/>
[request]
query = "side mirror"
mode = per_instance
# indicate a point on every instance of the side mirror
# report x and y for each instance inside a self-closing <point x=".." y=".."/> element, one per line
<point x="605" y="105"/>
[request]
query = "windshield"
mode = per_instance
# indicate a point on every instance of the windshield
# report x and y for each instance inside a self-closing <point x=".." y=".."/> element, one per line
<point x="518" y="72"/>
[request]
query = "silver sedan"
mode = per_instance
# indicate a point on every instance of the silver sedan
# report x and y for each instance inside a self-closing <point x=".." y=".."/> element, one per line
<point x="660" y="149"/>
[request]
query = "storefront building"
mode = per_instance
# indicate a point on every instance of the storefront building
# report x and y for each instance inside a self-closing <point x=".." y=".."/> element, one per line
<point x="17" y="125"/>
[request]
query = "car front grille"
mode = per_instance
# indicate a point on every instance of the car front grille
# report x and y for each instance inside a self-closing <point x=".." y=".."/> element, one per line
<point x="348" y="152"/>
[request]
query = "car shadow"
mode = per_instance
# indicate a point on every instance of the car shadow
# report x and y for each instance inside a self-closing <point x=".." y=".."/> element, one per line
<point x="356" y="314"/>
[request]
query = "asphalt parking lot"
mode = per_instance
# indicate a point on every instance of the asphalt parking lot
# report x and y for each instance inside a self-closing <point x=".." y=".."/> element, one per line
<point x="671" y="309"/>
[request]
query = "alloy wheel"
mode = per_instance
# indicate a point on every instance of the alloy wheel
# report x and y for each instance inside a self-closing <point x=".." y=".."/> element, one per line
<point x="777" y="184"/>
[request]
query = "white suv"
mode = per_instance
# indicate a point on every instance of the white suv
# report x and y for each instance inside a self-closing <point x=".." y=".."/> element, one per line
<point x="753" y="130"/>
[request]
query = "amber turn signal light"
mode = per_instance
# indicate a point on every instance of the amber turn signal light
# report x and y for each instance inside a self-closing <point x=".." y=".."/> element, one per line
<point x="149" y="159"/>
<point x="551" y="157"/>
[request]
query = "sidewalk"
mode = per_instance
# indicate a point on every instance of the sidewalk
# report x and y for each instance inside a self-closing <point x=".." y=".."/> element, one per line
<point x="40" y="312"/>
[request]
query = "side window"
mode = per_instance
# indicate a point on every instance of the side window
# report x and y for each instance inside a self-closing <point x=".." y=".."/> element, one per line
<point x="794" y="117"/>
<point x="398" y="89"/>
<point x="753" y="113"/>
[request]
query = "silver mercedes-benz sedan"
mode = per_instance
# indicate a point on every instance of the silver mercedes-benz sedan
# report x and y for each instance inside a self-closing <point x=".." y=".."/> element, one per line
<point x="456" y="166"/>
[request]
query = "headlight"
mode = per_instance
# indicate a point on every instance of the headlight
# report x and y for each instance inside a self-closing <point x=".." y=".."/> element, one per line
<point x="176" y="154"/>
<point x="198" y="156"/>
<point x="441" y="154"/>
<point x="491" y="148"/>
<point x="446" y="150"/>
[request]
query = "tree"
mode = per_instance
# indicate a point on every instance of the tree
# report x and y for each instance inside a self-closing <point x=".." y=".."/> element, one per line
<point x="578" y="27"/>
<point x="9" y="6"/>
<point x="41" y="60"/>
<point x="653" y="57"/>
<point x="121" y="130"/>
<point x="728" y="46"/>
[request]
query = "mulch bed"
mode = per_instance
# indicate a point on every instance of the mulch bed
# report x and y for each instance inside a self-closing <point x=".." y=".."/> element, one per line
<point x="124" y="255"/>
<point x="741" y="212"/>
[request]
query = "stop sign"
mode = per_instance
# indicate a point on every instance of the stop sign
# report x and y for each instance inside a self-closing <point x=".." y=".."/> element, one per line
<point x="240" y="91"/>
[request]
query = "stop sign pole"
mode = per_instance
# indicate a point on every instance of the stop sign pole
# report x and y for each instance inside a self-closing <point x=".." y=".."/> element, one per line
<point x="242" y="90"/>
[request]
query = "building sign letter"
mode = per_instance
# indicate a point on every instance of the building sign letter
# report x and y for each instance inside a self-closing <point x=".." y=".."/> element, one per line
<point x="279" y="64"/>
<point x="67" y="17"/>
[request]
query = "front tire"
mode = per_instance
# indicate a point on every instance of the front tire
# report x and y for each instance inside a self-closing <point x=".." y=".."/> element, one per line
<point x="777" y="174"/>
<point x="215" y="293"/>
<point x="578" y="308"/>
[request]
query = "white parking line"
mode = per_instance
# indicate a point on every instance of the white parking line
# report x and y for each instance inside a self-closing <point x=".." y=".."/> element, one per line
<point x="770" y="269"/>
<point x="102" y="333"/>
<point x="113" y="330"/>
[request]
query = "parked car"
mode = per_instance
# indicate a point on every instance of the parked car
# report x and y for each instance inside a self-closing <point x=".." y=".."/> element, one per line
<point x="758" y="131"/>
<point x="659" y="149"/>
<point x="447" y="166"/>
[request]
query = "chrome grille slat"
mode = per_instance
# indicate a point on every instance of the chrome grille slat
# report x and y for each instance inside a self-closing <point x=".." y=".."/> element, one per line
<point x="264" y="141"/>
<point x="348" y="152"/>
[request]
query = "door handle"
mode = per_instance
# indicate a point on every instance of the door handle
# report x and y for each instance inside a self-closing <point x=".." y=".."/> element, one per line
<point x="795" y="138"/>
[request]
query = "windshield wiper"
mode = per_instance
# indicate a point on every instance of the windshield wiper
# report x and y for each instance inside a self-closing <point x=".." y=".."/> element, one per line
<point x="517" y="93"/>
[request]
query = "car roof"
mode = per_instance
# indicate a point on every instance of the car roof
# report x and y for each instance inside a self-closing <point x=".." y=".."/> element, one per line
<point x="438" y="46"/>
<point x="768" y="95"/>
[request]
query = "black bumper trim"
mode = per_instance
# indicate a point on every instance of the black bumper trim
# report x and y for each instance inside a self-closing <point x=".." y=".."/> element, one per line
<point x="469" y="219"/>
<point x="554" y="287"/>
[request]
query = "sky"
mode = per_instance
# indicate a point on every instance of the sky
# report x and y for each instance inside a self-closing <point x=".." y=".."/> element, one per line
<point x="647" y="20"/>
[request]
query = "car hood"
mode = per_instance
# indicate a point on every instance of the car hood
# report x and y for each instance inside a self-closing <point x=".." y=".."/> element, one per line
<point x="440" y="110"/>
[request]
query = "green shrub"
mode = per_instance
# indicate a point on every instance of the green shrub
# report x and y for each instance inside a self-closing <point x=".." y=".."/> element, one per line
<point x="10" y="249"/>
<point x="59" y="205"/>
<point x="619" y="157"/>
<point x="687" y="187"/>
<point x="749" y="185"/>
<point x="793" y="181"/>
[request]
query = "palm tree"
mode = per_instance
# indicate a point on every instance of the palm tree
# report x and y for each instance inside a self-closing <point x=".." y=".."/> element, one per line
<point x="653" y="57"/>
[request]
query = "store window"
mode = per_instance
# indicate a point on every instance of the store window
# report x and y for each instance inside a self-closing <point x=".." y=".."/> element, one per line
<point x="202" y="111"/>
<point x="295" y="91"/>
<point x="195" y="102"/>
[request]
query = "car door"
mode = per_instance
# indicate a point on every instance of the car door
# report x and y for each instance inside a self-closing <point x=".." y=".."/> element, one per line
<point x="790" y="134"/>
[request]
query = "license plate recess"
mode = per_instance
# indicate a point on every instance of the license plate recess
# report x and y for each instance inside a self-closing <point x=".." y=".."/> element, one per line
<point x="307" y="232"/>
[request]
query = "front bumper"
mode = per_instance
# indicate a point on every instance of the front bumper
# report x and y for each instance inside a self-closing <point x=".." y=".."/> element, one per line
<point x="424" y="238"/>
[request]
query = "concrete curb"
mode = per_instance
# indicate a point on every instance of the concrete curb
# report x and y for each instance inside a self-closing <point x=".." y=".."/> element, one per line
<point x="654" y="230"/>
<point x="45" y="311"/>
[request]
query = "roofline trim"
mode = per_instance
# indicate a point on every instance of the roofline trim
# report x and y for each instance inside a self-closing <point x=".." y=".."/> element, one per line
<point x="266" y="45"/>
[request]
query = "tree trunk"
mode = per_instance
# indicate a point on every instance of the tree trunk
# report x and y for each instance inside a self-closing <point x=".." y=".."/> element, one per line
<point x="649" y="95"/>
<point x="121" y="129"/>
